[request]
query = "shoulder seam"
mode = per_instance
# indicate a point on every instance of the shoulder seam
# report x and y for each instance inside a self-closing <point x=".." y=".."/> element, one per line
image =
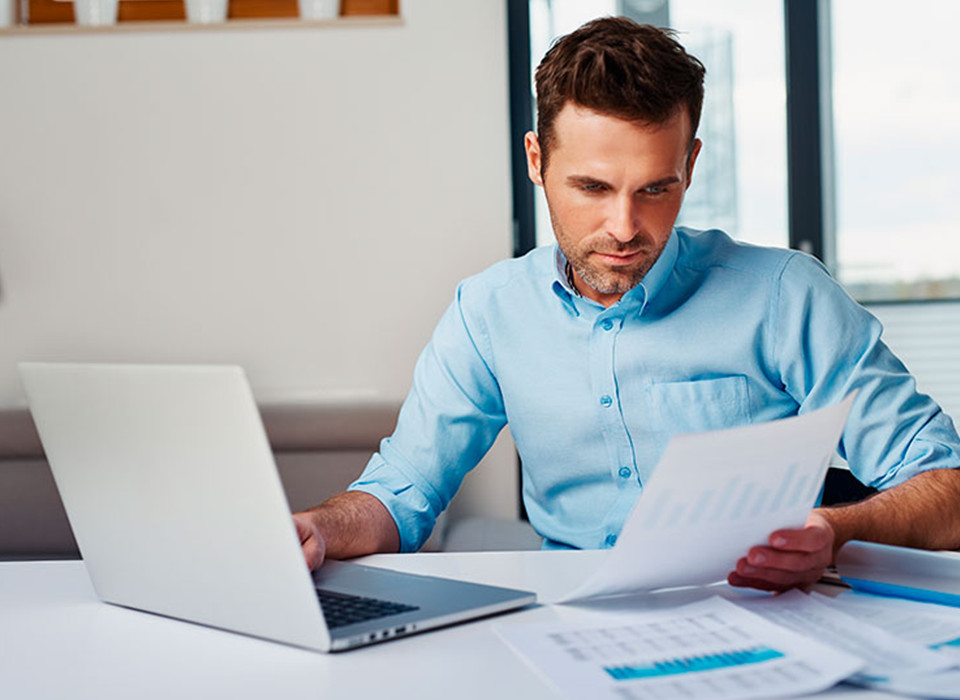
<point x="772" y="312"/>
<point x="486" y="354"/>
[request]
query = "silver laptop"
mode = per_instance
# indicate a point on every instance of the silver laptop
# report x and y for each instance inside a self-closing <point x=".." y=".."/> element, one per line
<point x="169" y="483"/>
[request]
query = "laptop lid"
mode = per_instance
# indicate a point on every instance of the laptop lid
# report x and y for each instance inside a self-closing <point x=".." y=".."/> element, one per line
<point x="162" y="473"/>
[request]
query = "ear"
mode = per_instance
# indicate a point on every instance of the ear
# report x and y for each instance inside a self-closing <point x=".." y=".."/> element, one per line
<point x="692" y="160"/>
<point x="532" y="146"/>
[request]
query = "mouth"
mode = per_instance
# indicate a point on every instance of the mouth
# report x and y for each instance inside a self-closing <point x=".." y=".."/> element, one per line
<point x="620" y="259"/>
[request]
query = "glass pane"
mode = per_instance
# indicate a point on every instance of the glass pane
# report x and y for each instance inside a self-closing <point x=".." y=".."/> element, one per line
<point x="740" y="184"/>
<point x="896" y="100"/>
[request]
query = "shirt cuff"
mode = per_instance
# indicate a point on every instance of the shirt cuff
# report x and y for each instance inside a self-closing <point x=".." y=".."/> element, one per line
<point x="410" y="509"/>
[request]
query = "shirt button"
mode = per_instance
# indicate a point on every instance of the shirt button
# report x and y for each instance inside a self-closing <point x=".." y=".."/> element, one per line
<point x="607" y="324"/>
<point x="606" y="401"/>
<point x="625" y="472"/>
<point x="611" y="540"/>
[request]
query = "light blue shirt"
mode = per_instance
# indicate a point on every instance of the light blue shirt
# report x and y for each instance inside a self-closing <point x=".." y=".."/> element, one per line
<point x="718" y="334"/>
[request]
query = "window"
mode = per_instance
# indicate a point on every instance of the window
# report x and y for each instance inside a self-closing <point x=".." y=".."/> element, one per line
<point x="896" y="105"/>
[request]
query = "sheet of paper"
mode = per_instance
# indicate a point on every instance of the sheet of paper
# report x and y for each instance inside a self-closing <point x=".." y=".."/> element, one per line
<point x="884" y="654"/>
<point x="934" y="626"/>
<point x="709" y="650"/>
<point x="713" y="496"/>
<point x="945" y="685"/>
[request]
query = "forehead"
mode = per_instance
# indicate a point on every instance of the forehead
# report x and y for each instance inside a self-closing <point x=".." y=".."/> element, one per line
<point x="585" y="138"/>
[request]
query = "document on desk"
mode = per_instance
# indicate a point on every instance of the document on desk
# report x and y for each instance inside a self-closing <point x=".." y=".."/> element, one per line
<point x="884" y="654"/>
<point x="709" y="650"/>
<point x="934" y="626"/>
<point x="713" y="496"/>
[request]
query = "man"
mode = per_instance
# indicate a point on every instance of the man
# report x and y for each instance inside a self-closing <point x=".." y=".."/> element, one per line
<point x="631" y="330"/>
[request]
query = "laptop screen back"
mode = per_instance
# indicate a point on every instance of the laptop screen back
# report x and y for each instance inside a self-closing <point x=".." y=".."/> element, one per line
<point x="168" y="480"/>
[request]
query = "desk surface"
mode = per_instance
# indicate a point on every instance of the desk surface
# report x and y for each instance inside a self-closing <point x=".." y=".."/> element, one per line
<point x="57" y="640"/>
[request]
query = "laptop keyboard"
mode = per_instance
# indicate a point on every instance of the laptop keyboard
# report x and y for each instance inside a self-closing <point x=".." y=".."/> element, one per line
<point x="340" y="609"/>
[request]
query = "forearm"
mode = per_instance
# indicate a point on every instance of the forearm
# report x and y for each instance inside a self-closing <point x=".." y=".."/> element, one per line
<point x="923" y="512"/>
<point x="354" y="523"/>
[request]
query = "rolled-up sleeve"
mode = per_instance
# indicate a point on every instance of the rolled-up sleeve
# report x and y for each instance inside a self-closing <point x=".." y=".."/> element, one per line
<point x="827" y="346"/>
<point x="448" y="422"/>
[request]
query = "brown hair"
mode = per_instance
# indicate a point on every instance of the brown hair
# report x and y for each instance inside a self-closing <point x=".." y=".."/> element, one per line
<point x="617" y="67"/>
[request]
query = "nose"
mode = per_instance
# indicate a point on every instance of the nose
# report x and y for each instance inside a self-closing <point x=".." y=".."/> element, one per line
<point x="623" y="221"/>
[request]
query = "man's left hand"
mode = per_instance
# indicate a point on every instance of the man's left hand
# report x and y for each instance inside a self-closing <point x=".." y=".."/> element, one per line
<point x="791" y="559"/>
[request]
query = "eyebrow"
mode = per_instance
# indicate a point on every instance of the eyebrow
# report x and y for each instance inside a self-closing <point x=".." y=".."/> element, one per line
<point x="587" y="180"/>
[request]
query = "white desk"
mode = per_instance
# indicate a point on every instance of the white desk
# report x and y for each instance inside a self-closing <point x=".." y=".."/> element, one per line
<point x="57" y="640"/>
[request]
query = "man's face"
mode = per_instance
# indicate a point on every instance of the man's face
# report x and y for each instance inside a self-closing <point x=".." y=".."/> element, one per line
<point x="614" y="189"/>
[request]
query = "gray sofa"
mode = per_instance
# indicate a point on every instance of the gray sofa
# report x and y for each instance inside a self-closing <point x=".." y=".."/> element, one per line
<point x="319" y="450"/>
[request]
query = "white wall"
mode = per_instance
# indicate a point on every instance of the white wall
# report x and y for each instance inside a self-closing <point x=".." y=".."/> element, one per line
<point x="301" y="201"/>
<point x="298" y="200"/>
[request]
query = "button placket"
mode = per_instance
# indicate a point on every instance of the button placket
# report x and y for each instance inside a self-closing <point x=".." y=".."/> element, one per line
<point x="605" y="333"/>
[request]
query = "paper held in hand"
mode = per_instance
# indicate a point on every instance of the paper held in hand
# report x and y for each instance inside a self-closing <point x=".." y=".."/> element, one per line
<point x="713" y="496"/>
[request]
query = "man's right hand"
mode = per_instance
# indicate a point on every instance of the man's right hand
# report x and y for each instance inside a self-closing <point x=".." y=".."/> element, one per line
<point x="347" y="525"/>
<point x="311" y="541"/>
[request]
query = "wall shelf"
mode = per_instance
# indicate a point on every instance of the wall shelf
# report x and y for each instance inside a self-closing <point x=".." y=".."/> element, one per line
<point x="184" y="26"/>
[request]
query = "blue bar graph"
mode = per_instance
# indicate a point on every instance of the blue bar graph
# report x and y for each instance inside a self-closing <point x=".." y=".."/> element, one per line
<point x="784" y="487"/>
<point x="701" y="506"/>
<point x="760" y="503"/>
<point x="951" y="643"/>
<point x="727" y="501"/>
<point x="694" y="664"/>
<point x="726" y="497"/>
<point x="742" y="501"/>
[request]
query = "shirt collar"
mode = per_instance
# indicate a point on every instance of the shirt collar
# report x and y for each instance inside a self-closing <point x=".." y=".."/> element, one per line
<point x="640" y="295"/>
<point x="561" y="282"/>
<point x="658" y="275"/>
<point x="560" y="270"/>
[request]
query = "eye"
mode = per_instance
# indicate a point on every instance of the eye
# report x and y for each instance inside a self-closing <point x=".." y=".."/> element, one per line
<point x="655" y="190"/>
<point x="592" y="187"/>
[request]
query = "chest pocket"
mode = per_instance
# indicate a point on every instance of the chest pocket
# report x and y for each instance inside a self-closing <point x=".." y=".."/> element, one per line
<point x="698" y="406"/>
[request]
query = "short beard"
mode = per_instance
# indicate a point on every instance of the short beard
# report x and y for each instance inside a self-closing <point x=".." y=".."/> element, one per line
<point x="607" y="283"/>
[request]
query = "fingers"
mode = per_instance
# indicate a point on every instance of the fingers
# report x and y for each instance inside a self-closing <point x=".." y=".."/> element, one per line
<point x="735" y="579"/>
<point x="772" y="579"/>
<point x="312" y="544"/>
<point x="303" y="530"/>
<point x="791" y="559"/>
<point x="808" y="539"/>
<point x="763" y="584"/>
<point x="313" y="553"/>
<point x="762" y="557"/>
